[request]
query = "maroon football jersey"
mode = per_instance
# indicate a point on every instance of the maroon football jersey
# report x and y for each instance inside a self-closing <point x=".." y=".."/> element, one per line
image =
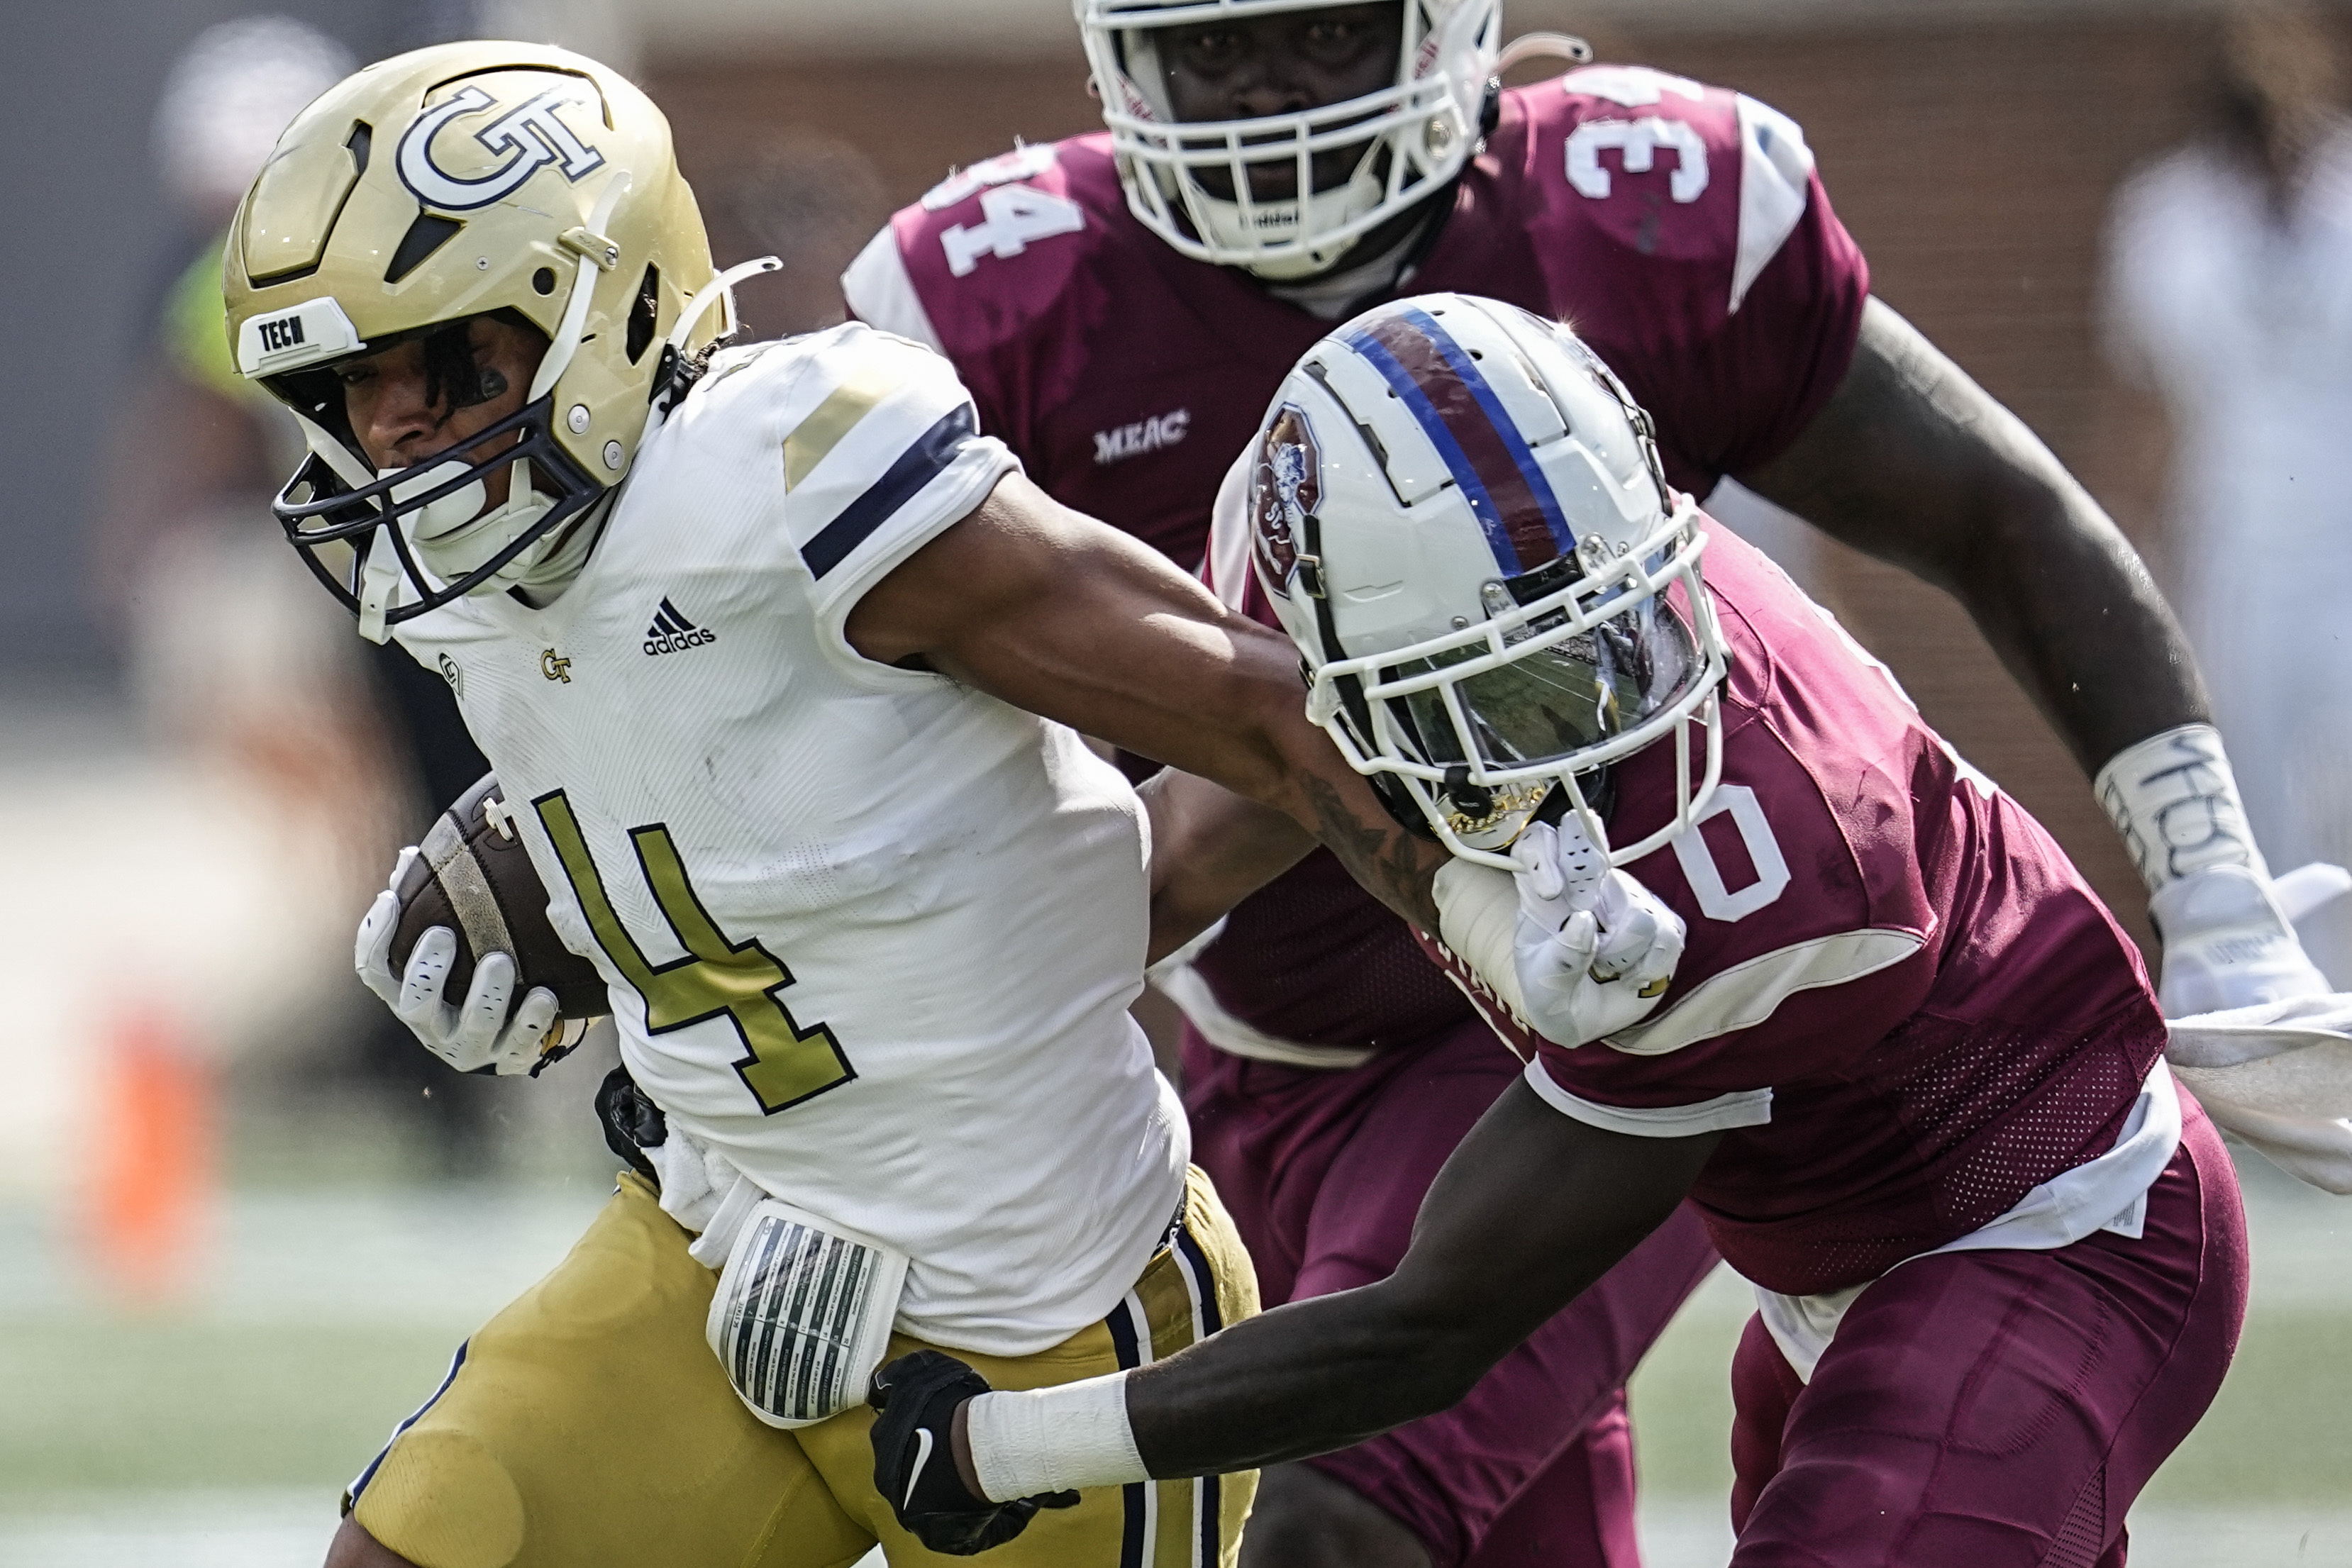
<point x="1680" y="228"/>
<point x="1899" y="1000"/>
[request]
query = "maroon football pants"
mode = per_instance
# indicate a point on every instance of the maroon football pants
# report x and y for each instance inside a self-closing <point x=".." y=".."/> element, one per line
<point x="1323" y="1172"/>
<point x="1997" y="1409"/>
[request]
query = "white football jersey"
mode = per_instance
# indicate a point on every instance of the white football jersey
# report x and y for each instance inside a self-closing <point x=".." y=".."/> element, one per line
<point x="870" y="934"/>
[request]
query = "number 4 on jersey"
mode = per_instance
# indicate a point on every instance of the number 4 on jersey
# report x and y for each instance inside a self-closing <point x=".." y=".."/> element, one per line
<point x="1015" y="215"/>
<point x="786" y="1064"/>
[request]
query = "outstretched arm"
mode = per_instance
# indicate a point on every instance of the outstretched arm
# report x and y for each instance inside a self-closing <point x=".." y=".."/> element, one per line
<point x="1915" y="464"/>
<point x="1057" y="613"/>
<point x="1531" y="1208"/>
<point x="1912" y="462"/>
<point x="1210" y="849"/>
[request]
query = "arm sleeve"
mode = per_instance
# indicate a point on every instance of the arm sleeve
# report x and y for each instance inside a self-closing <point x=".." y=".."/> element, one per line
<point x="885" y="454"/>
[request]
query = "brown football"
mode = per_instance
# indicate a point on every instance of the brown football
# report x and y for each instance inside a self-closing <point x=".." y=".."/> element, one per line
<point x="474" y="876"/>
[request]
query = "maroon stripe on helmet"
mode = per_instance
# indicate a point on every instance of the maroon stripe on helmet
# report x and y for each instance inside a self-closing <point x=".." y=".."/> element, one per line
<point x="1518" y="511"/>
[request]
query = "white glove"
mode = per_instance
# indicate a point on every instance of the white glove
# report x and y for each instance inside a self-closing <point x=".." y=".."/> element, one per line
<point x="2278" y="1076"/>
<point x="1593" y="949"/>
<point x="478" y="1035"/>
<point x="2228" y="936"/>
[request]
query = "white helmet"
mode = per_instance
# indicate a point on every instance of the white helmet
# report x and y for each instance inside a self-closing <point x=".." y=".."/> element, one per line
<point x="1460" y="517"/>
<point x="1416" y="134"/>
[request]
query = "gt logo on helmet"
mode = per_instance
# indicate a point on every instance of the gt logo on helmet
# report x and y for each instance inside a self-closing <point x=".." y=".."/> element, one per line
<point x="1284" y="489"/>
<point x="532" y="134"/>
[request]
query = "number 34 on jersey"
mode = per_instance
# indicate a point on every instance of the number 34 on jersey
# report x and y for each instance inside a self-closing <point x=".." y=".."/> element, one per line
<point x="783" y="1064"/>
<point x="1012" y="214"/>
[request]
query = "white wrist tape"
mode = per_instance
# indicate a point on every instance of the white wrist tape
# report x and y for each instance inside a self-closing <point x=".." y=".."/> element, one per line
<point x="1478" y="919"/>
<point x="2175" y="801"/>
<point x="1054" y="1439"/>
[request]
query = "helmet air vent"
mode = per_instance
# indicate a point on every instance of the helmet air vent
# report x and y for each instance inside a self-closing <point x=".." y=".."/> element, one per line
<point x="296" y="204"/>
<point x="426" y="235"/>
<point x="641" y="312"/>
<point x="1546" y="578"/>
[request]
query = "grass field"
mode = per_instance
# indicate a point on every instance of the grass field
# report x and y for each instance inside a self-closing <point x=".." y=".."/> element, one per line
<point x="220" y="1431"/>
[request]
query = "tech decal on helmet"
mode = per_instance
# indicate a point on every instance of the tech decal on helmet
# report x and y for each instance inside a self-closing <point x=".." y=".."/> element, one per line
<point x="1410" y="138"/>
<point x="1460" y="518"/>
<point x="471" y="178"/>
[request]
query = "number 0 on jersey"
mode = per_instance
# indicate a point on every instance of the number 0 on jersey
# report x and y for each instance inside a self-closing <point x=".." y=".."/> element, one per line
<point x="785" y="1063"/>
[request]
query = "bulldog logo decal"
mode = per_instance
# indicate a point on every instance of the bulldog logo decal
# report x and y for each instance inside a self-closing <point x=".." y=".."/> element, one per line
<point x="1285" y="486"/>
<point x="530" y="136"/>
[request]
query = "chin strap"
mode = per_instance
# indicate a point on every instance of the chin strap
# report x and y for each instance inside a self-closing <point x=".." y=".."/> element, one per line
<point x="524" y="504"/>
<point x="1543" y="47"/>
<point x="596" y="255"/>
<point x="566" y="343"/>
<point x="674" y="346"/>
<point x="379" y="581"/>
<point x="708" y="293"/>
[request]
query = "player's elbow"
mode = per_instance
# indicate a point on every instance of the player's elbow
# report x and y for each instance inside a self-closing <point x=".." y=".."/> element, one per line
<point x="2022" y="500"/>
<point x="1275" y="746"/>
<point x="1445" y="1371"/>
<point x="2031" y="541"/>
<point x="1438" y="1355"/>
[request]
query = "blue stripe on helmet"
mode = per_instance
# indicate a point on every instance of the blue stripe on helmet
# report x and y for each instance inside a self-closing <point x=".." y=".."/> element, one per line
<point x="1465" y="477"/>
<point x="1449" y="449"/>
<point x="1505" y="425"/>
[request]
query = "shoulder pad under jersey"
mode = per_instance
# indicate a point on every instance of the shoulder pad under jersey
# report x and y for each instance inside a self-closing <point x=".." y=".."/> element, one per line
<point x="1670" y="168"/>
<point x="993" y="247"/>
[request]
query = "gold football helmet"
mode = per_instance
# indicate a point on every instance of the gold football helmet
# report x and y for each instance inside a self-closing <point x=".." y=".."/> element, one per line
<point x="469" y="179"/>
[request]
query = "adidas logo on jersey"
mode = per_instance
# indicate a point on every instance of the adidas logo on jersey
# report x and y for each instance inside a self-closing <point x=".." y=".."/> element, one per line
<point x="672" y="632"/>
<point x="1144" y="436"/>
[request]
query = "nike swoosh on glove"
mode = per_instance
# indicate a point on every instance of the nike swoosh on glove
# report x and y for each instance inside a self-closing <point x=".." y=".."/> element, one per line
<point x="477" y="1036"/>
<point x="2229" y="941"/>
<point x="1593" y="948"/>
<point x="914" y="1463"/>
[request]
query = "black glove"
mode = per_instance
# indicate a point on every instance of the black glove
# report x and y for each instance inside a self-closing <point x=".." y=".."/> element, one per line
<point x="917" y="1397"/>
<point x="632" y="1123"/>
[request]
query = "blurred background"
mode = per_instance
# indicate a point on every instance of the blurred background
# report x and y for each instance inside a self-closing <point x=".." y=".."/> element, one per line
<point x="244" y="1220"/>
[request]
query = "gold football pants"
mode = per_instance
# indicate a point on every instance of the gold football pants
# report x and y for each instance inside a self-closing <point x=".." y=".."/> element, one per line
<point x="588" y="1425"/>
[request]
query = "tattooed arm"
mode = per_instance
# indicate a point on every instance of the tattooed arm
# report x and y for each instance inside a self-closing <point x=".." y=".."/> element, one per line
<point x="1057" y="613"/>
<point x="1212" y="848"/>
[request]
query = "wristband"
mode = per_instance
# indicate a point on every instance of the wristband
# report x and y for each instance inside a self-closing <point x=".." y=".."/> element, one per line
<point x="2175" y="801"/>
<point x="1054" y="1439"/>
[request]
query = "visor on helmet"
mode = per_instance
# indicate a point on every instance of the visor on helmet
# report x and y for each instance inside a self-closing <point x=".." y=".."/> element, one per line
<point x="1558" y="702"/>
<point x="1481" y="728"/>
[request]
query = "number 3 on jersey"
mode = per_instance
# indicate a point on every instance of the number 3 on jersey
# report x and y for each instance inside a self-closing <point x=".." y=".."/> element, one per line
<point x="786" y="1063"/>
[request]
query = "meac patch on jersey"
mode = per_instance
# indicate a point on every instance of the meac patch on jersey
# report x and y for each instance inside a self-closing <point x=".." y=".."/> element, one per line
<point x="860" y="922"/>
